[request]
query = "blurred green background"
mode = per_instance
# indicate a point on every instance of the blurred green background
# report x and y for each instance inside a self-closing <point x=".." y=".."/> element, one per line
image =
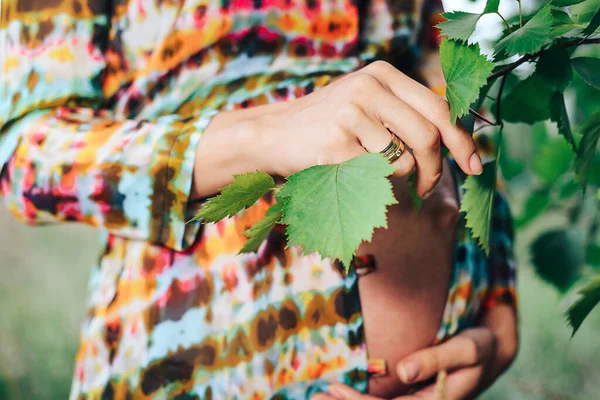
<point x="44" y="271"/>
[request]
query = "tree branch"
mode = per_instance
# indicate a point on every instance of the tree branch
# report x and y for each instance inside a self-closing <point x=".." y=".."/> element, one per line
<point x="510" y="67"/>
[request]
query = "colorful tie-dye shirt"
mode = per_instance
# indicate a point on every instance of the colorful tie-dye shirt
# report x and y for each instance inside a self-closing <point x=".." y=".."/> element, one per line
<point x="102" y="104"/>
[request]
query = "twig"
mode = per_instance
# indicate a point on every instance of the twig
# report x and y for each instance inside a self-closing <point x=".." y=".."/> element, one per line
<point x="481" y="117"/>
<point x="499" y="103"/>
<point x="505" y="22"/>
<point x="440" y="385"/>
<point x="510" y="67"/>
<point x="520" y="15"/>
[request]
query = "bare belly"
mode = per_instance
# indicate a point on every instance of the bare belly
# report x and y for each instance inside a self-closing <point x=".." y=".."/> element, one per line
<point x="403" y="300"/>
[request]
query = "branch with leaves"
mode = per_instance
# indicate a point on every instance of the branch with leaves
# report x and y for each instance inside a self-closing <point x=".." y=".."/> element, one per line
<point x="331" y="209"/>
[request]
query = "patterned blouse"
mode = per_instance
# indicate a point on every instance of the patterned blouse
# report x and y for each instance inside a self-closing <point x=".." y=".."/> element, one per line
<point x="102" y="104"/>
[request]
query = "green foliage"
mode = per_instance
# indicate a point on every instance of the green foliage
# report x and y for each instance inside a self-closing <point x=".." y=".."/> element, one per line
<point x="587" y="148"/>
<point x="536" y="204"/>
<point x="558" y="114"/>
<point x="594" y="24"/>
<point x="528" y="102"/>
<point x="477" y="204"/>
<point x="558" y="257"/>
<point x="245" y="190"/>
<point x="588" y="69"/>
<point x="331" y="209"/>
<point x="565" y="3"/>
<point x="552" y="159"/>
<point x="466" y="71"/>
<point x="589" y="297"/>
<point x="531" y="37"/>
<point x="459" y="25"/>
<point x="554" y="68"/>
<point x="261" y="229"/>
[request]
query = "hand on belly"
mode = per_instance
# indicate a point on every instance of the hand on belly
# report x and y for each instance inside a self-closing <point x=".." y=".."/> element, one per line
<point x="403" y="300"/>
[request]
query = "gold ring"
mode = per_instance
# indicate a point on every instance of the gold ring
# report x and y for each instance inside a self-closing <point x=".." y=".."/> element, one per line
<point x="394" y="150"/>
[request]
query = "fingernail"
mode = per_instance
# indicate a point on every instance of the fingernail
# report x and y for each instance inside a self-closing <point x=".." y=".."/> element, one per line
<point x="475" y="164"/>
<point x="409" y="371"/>
<point x="428" y="194"/>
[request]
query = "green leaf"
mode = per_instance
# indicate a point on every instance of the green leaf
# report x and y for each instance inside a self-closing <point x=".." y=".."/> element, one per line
<point x="554" y="67"/>
<point x="491" y="6"/>
<point x="594" y="24"/>
<point x="589" y="297"/>
<point x="536" y="204"/>
<point x="592" y="255"/>
<point x="558" y="114"/>
<point x="531" y="37"/>
<point x="245" y="190"/>
<point x="477" y="204"/>
<point x="588" y="69"/>
<point x="587" y="148"/>
<point x="565" y="3"/>
<point x="557" y="257"/>
<point x="465" y="71"/>
<point x="333" y="208"/>
<point x="459" y="25"/>
<point x="261" y="229"/>
<point x="562" y="23"/>
<point x="568" y="190"/>
<point x="528" y="102"/>
<point x="552" y="159"/>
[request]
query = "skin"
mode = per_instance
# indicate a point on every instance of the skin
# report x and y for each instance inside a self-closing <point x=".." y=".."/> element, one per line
<point x="337" y="123"/>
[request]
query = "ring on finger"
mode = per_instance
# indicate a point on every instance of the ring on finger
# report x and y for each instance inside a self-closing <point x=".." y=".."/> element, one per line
<point x="393" y="150"/>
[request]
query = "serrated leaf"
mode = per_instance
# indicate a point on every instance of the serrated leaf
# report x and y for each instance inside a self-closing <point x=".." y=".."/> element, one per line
<point x="459" y="25"/>
<point x="587" y="148"/>
<point x="477" y="204"/>
<point x="331" y="209"/>
<point x="552" y="159"/>
<point x="594" y="24"/>
<point x="466" y="72"/>
<point x="528" y="102"/>
<point x="588" y="68"/>
<point x="491" y="6"/>
<point x="245" y="190"/>
<point x="558" y="114"/>
<point x="554" y="67"/>
<point x="589" y="297"/>
<point x="531" y="37"/>
<point x="557" y="257"/>
<point x="261" y="229"/>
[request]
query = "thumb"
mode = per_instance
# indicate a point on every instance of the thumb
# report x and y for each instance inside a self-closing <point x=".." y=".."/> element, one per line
<point x="464" y="350"/>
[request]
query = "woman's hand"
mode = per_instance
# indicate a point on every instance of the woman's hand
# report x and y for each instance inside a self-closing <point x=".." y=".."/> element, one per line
<point x="473" y="359"/>
<point x="351" y="116"/>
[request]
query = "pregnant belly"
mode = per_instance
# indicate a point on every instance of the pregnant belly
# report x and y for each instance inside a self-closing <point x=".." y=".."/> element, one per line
<point x="403" y="300"/>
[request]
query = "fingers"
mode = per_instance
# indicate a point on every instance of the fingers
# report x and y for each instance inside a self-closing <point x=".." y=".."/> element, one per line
<point x="435" y="109"/>
<point x="414" y="130"/>
<point x="460" y="385"/>
<point x="468" y="349"/>
<point x="374" y="137"/>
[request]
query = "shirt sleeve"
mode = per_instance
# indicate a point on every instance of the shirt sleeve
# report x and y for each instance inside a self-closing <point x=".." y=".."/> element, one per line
<point x="63" y="157"/>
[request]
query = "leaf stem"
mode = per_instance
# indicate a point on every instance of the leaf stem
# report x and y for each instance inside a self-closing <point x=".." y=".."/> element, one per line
<point x="520" y="14"/>
<point x="505" y="22"/>
<point x="510" y="67"/>
<point x="499" y="104"/>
